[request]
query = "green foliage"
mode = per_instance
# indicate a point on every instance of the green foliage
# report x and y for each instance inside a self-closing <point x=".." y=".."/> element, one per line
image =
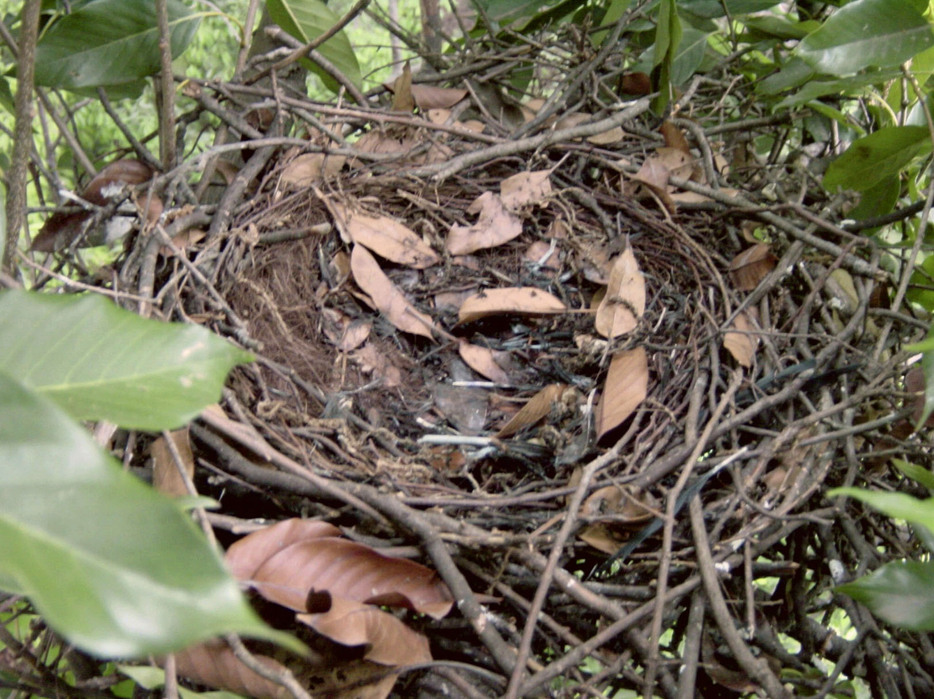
<point x="879" y="156"/>
<point x="115" y="567"/>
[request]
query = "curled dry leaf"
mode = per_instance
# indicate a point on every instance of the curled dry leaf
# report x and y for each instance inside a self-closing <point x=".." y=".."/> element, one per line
<point x="385" y="236"/>
<point x="495" y="226"/>
<point x="165" y="474"/>
<point x="626" y="386"/>
<point x="612" y="511"/>
<point x="386" y="296"/>
<point x="522" y="300"/>
<point x="483" y="361"/>
<point x="742" y="341"/>
<point x="538" y="407"/>
<point x="624" y="302"/>
<point x="388" y="640"/>
<point x="525" y="188"/>
<point x="751" y="266"/>
<point x="311" y="168"/>
<point x="245" y="556"/>
<point x="213" y="663"/>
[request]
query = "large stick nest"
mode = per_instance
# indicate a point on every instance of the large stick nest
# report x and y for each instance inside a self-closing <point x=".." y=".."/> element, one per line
<point x="394" y="438"/>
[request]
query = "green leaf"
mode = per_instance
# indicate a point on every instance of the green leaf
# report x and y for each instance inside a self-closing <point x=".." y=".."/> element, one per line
<point x="109" y="42"/>
<point x="878" y="200"/>
<point x="927" y="366"/>
<point x="689" y="55"/>
<point x="876" y="157"/>
<point x="667" y="39"/>
<point x="719" y="8"/>
<point x="98" y="361"/>
<point x="151" y="678"/>
<point x="916" y="473"/>
<point x="614" y="10"/>
<point x="307" y="19"/>
<point x="921" y="291"/>
<point x="118" y="569"/>
<point x="794" y="73"/>
<point x="856" y="84"/>
<point x="897" y="505"/>
<point x="900" y="593"/>
<point x="867" y="33"/>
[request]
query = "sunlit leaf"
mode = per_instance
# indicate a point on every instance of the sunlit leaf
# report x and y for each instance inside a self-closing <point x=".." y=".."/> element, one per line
<point x="900" y="593"/>
<point x="897" y="505"/>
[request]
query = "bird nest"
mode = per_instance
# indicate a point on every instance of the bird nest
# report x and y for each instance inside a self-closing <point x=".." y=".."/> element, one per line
<point x="594" y="376"/>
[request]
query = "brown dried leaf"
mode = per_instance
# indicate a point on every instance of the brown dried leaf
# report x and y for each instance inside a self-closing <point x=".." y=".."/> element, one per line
<point x="679" y="163"/>
<point x="388" y="640"/>
<point x="245" y="556"/>
<point x="741" y="342"/>
<point x="603" y="138"/>
<point x="352" y="571"/>
<point x="432" y="97"/>
<point x="654" y="175"/>
<point x="525" y="188"/>
<point x="385" y="236"/>
<point x="355" y="334"/>
<point x="624" y="303"/>
<point x="183" y="241"/>
<point x="674" y="138"/>
<point x="538" y="407"/>
<point x="311" y="168"/>
<point x="601" y="538"/>
<point x="627" y="385"/>
<point x="495" y="226"/>
<point x="619" y="505"/>
<point x="523" y="300"/>
<point x="165" y="476"/>
<point x="751" y="266"/>
<point x="378" y="364"/>
<point x="482" y="360"/>
<point x="214" y="664"/>
<point x="402" y="99"/>
<point x="635" y="84"/>
<point x="386" y="296"/>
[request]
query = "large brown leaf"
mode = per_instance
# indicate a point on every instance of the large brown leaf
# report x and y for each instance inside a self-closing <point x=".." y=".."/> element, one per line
<point x="245" y="556"/>
<point x="495" y="226"/>
<point x="626" y="386"/>
<point x="624" y="303"/>
<point x="525" y="188"/>
<point x="524" y="300"/>
<point x="538" y="407"/>
<point x="385" y="236"/>
<point x="386" y="296"/>
<point x="214" y="664"/>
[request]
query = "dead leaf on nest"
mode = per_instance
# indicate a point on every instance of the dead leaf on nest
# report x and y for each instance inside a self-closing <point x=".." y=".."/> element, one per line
<point x="604" y="138"/>
<point x="525" y="188"/>
<point x="742" y="341"/>
<point x="386" y="296"/>
<point x="311" y="168"/>
<point x="184" y="240"/>
<point x="626" y="386"/>
<point x="751" y="266"/>
<point x="674" y="137"/>
<point x="612" y="512"/>
<point x="495" y="226"/>
<point x="385" y="236"/>
<point x="538" y="407"/>
<point x="377" y="365"/>
<point x="524" y="300"/>
<point x="165" y="475"/>
<point x="431" y="97"/>
<point x="213" y="663"/>
<point x="402" y="99"/>
<point x="624" y="302"/>
<point x="483" y="361"/>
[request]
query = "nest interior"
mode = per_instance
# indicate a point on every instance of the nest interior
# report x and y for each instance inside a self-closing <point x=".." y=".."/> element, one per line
<point x="693" y="538"/>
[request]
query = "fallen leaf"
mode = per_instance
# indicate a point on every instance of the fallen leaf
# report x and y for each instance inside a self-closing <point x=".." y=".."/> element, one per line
<point x="482" y="360"/>
<point x="674" y="137"/>
<point x="603" y="138"/>
<point x="524" y="300"/>
<point x="600" y="537"/>
<point x="402" y="99"/>
<point x="742" y="341"/>
<point x="311" y="168"/>
<point x="245" y="556"/>
<point x="751" y="266"/>
<point x="386" y="296"/>
<point x="378" y="365"/>
<point x="626" y="386"/>
<point x="165" y="475"/>
<point x="214" y="664"/>
<point x="653" y="174"/>
<point x="495" y="226"/>
<point x="624" y="303"/>
<point x="537" y="407"/>
<point x="525" y="188"/>
<point x="431" y="97"/>
<point x="183" y="241"/>
<point x="385" y="236"/>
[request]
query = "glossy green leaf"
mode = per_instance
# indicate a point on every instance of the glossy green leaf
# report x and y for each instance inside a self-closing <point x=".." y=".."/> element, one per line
<point x="897" y="505"/>
<point x="878" y="200"/>
<point x="98" y="361"/>
<point x="667" y="39"/>
<point x="916" y="473"/>
<point x="307" y="19"/>
<point x="109" y="42"/>
<point x="719" y="8"/>
<point x="689" y="55"/>
<point x="900" y="593"/>
<point x="115" y="567"/>
<point x="614" y="10"/>
<point x="876" y="157"/>
<point x="813" y="89"/>
<point x="794" y="73"/>
<point x="867" y="33"/>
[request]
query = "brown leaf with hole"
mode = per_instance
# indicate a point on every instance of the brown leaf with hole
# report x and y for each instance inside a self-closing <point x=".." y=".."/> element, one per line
<point x="522" y="300"/>
<point x="386" y="296"/>
<point x="626" y="386"/>
<point x="111" y="183"/>
<point x="525" y="188"/>
<point x="213" y="663"/>
<point x="165" y="474"/>
<point x="495" y="226"/>
<point x="386" y="237"/>
<point x="751" y="266"/>
<point x="388" y="640"/>
<point x="624" y="303"/>
<point x="741" y="342"/>
<point x="245" y="556"/>
<point x="538" y="407"/>
<point x="350" y="570"/>
<point x="483" y="361"/>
